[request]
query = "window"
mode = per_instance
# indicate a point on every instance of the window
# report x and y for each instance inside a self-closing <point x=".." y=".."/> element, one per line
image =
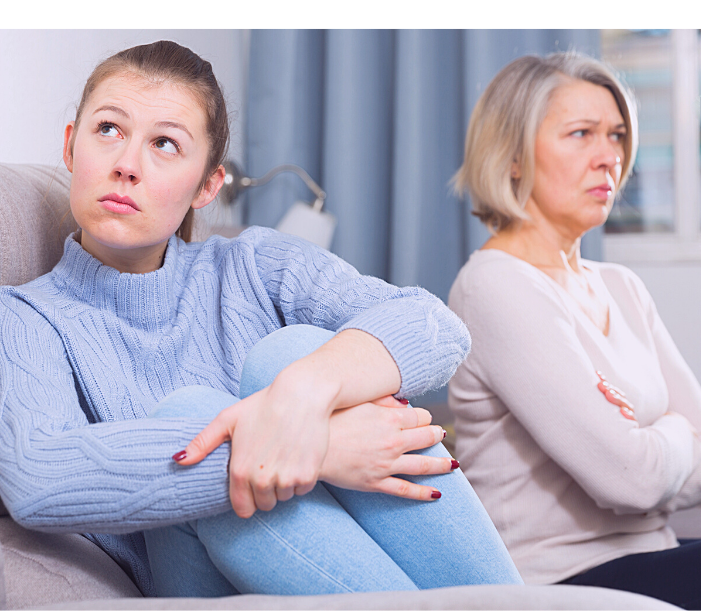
<point x="657" y="217"/>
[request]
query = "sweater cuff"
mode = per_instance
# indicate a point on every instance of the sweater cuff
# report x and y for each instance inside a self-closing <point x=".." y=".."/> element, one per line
<point x="426" y="340"/>
<point x="202" y="489"/>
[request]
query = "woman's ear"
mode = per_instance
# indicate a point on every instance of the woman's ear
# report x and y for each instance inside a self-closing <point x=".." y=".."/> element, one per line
<point x="68" y="145"/>
<point x="211" y="188"/>
<point x="515" y="169"/>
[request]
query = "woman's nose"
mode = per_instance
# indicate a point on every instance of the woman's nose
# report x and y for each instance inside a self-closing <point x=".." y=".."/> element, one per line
<point x="128" y="165"/>
<point x="606" y="155"/>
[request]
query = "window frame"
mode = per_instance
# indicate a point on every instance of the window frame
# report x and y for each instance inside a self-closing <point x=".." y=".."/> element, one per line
<point x="684" y="244"/>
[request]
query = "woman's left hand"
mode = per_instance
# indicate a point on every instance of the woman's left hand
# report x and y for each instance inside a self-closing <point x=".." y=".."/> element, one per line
<point x="370" y="444"/>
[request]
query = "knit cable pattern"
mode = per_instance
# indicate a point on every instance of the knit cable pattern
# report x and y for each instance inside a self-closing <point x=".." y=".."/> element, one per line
<point x="86" y="350"/>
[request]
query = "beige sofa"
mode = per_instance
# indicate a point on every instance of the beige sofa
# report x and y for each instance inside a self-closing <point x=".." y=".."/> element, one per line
<point x="67" y="571"/>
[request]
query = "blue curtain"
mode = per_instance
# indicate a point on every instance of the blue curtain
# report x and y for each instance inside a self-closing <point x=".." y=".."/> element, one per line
<point x="378" y="119"/>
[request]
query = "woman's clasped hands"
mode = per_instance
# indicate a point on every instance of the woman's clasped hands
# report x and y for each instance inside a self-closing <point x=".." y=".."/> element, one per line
<point x="283" y="443"/>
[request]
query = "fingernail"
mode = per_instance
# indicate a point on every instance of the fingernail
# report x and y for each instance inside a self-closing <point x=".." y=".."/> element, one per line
<point x="181" y="455"/>
<point x="403" y="400"/>
<point x="454" y="464"/>
<point x="627" y="413"/>
<point x="435" y="494"/>
<point x="445" y="434"/>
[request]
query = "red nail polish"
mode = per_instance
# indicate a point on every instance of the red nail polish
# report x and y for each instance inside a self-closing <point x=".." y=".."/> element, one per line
<point x="181" y="455"/>
<point x="403" y="400"/>
<point x="435" y="494"/>
<point x="445" y="434"/>
<point x="454" y="464"/>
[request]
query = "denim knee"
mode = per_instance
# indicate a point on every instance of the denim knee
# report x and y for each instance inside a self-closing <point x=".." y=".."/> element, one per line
<point x="193" y="401"/>
<point x="274" y="352"/>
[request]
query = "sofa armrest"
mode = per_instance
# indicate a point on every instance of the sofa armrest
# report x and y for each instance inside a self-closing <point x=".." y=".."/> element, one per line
<point x="47" y="569"/>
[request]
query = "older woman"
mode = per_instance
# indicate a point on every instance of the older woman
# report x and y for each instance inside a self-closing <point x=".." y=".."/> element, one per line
<point x="578" y="477"/>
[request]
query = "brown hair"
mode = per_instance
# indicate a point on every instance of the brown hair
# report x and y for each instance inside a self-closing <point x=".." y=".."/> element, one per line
<point x="504" y="124"/>
<point x="166" y="61"/>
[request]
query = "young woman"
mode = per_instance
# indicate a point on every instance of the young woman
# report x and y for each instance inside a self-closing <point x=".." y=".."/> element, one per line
<point x="579" y="483"/>
<point x="121" y="356"/>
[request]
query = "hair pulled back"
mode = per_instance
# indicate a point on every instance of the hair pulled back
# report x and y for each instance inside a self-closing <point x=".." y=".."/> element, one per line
<point x="167" y="62"/>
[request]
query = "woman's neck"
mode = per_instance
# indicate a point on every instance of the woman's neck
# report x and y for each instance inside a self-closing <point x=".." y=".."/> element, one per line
<point x="540" y="243"/>
<point x="140" y="260"/>
<point x="537" y="247"/>
<point x="556" y="252"/>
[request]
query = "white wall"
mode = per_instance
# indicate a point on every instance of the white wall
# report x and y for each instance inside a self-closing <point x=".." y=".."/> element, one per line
<point x="676" y="290"/>
<point x="42" y="74"/>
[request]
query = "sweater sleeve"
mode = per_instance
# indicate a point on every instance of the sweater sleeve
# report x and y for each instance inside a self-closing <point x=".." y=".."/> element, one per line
<point x="527" y="352"/>
<point x="312" y="286"/>
<point x="61" y="473"/>
<point x="684" y="394"/>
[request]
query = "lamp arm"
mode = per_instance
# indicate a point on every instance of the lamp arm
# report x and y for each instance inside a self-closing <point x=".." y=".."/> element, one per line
<point x="300" y="172"/>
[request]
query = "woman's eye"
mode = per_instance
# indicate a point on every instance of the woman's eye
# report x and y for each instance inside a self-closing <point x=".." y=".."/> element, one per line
<point x="108" y="129"/>
<point x="578" y="133"/>
<point x="167" y="145"/>
<point x="618" y="137"/>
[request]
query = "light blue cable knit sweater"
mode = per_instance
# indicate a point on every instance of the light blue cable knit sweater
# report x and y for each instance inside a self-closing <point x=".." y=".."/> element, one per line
<point x="86" y="350"/>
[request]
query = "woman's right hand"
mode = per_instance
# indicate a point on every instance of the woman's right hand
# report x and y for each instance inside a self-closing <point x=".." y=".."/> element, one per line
<point x="368" y="444"/>
<point x="616" y="396"/>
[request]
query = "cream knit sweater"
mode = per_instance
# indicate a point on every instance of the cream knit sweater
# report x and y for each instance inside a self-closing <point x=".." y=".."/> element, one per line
<point x="569" y="482"/>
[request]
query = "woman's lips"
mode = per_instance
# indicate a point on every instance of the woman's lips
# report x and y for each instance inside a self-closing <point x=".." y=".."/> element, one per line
<point x="119" y="204"/>
<point x="602" y="192"/>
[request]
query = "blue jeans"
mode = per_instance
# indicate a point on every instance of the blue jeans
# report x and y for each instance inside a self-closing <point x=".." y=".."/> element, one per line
<point x="330" y="540"/>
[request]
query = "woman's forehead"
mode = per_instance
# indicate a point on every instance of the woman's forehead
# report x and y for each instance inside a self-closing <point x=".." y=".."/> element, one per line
<point x="145" y="98"/>
<point x="578" y="99"/>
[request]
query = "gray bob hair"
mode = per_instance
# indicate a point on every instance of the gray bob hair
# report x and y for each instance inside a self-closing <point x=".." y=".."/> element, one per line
<point x="504" y="124"/>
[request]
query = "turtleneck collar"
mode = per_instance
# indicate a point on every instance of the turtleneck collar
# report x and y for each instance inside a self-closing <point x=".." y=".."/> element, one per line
<point x="145" y="300"/>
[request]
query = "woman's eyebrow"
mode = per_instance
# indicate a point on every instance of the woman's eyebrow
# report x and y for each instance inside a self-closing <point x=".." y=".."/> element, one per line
<point x="110" y="107"/>
<point x="173" y="124"/>
<point x="594" y="122"/>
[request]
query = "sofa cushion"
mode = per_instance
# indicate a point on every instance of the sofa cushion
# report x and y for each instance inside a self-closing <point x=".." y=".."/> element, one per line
<point x="35" y="220"/>
<point x="46" y="569"/>
<point x="462" y="598"/>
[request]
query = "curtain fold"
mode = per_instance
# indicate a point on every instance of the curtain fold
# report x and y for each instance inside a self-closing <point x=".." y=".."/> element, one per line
<point x="378" y="119"/>
<point x="358" y="144"/>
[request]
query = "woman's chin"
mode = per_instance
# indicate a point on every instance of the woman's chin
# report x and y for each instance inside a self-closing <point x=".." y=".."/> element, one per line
<point x="596" y="218"/>
<point x="118" y="236"/>
<point x="118" y="243"/>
